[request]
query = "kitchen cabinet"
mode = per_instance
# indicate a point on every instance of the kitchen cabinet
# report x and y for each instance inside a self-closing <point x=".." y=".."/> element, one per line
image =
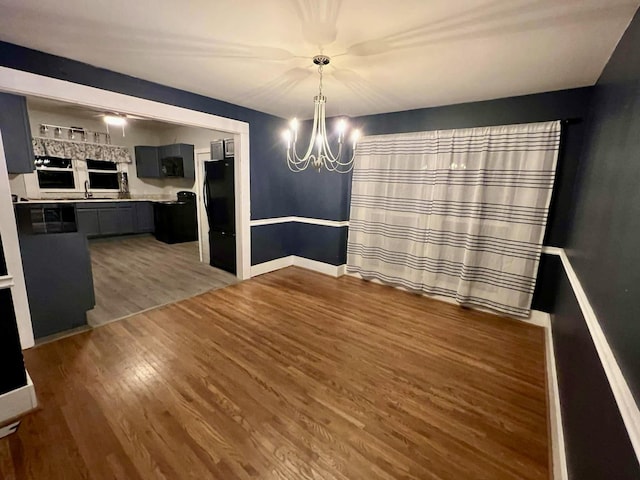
<point x="147" y="162"/>
<point x="149" y="159"/>
<point x="87" y="221"/>
<point x="16" y="133"/>
<point x="169" y="151"/>
<point x="109" y="221"/>
<point x="126" y="219"/>
<point x="189" y="163"/>
<point x="57" y="267"/>
<point x="104" y="219"/>
<point x="144" y="217"/>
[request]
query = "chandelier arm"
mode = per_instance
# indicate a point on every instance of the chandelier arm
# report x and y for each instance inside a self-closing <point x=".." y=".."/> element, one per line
<point x="338" y="165"/>
<point x="333" y="159"/>
<point x="295" y="166"/>
<point x="312" y="141"/>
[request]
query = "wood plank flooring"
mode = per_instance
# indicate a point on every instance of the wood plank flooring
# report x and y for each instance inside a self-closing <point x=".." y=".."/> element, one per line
<point x="290" y="375"/>
<point x="132" y="274"/>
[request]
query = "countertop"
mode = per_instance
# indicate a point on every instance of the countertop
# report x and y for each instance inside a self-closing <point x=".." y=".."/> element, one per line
<point x="92" y="200"/>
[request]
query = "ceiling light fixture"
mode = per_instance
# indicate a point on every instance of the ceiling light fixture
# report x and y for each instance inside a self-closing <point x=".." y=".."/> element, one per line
<point x="115" y="121"/>
<point x="323" y="157"/>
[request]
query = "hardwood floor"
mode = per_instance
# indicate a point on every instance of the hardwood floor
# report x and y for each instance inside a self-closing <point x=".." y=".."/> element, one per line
<point x="290" y="375"/>
<point x="132" y="274"/>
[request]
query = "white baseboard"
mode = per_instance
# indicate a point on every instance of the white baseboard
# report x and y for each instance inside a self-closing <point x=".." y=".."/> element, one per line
<point x="272" y="265"/>
<point x="293" y="260"/>
<point x="558" y="452"/>
<point x="17" y="402"/>
<point x="9" y="429"/>
<point x="326" y="268"/>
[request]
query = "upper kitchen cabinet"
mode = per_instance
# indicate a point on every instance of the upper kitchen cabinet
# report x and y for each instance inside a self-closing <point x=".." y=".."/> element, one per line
<point x="147" y="162"/>
<point x="187" y="154"/>
<point x="177" y="151"/>
<point x="16" y="134"/>
<point x="174" y="160"/>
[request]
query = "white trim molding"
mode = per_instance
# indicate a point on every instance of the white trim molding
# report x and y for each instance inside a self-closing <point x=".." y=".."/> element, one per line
<point x="552" y="250"/>
<point x="13" y="259"/>
<point x="558" y="451"/>
<point x="272" y="265"/>
<point x="295" y="261"/>
<point x="621" y="391"/>
<point x="310" y="221"/>
<point x="18" y="402"/>
<point x="326" y="268"/>
<point x="6" y="282"/>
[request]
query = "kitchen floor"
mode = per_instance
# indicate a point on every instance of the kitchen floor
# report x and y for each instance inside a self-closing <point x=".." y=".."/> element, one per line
<point x="135" y="273"/>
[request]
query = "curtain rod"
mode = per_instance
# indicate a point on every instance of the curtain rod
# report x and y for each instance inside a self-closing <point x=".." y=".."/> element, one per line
<point x="570" y="121"/>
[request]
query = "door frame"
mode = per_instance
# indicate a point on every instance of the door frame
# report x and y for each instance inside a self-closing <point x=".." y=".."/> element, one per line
<point x="14" y="280"/>
<point x="26" y="83"/>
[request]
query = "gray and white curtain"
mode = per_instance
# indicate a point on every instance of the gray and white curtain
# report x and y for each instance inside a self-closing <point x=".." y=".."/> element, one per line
<point x="458" y="213"/>
<point x="53" y="147"/>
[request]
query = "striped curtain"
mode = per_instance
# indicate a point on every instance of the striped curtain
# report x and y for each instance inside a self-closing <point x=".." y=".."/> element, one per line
<point x="458" y="213"/>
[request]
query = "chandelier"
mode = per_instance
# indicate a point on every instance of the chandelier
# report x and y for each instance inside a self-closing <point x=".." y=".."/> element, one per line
<point x="318" y="152"/>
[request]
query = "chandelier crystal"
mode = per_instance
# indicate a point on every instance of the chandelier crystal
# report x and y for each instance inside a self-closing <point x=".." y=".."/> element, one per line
<point x="318" y="152"/>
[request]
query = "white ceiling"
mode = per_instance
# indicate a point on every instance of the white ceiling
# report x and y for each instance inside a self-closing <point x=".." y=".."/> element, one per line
<point x="386" y="55"/>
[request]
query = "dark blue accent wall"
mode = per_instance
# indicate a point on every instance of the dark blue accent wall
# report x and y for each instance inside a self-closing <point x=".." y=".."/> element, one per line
<point x="270" y="242"/>
<point x="321" y="243"/>
<point x="604" y="237"/>
<point x="315" y="242"/>
<point x="596" y="441"/>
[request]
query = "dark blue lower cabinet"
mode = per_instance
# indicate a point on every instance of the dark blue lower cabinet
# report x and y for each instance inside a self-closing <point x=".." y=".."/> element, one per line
<point x="57" y="271"/>
<point x="105" y="219"/>
<point x="87" y="221"/>
<point x="109" y="221"/>
<point x="144" y="217"/>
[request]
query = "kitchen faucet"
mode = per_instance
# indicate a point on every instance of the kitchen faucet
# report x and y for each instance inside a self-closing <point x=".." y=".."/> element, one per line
<point x="87" y="193"/>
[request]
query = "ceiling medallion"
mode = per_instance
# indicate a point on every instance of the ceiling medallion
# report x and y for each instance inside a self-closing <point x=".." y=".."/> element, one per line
<point x="323" y="156"/>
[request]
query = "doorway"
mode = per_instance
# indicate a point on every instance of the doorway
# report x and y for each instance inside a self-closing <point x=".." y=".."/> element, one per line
<point x="28" y="84"/>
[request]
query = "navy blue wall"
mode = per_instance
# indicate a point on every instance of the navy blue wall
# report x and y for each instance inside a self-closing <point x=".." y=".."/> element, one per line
<point x="597" y="444"/>
<point x="603" y="250"/>
<point x="603" y="244"/>
<point x="324" y="244"/>
<point x="269" y="242"/>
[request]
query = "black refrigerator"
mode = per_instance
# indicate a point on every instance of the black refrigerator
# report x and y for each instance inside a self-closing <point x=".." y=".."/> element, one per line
<point x="219" y="201"/>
